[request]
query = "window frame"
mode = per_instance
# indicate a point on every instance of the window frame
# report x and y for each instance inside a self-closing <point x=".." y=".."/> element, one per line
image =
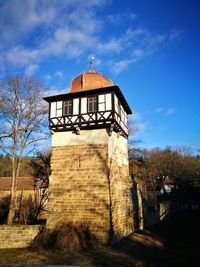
<point x="70" y="106"/>
<point x="94" y="102"/>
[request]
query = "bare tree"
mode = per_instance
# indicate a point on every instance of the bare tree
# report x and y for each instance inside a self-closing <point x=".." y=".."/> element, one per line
<point x="42" y="170"/>
<point x="22" y="116"/>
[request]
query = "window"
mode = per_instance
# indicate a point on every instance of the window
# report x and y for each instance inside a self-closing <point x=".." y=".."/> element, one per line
<point x="92" y="104"/>
<point x="67" y="107"/>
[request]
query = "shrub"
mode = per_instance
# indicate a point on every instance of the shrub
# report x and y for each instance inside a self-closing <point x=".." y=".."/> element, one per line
<point x="65" y="237"/>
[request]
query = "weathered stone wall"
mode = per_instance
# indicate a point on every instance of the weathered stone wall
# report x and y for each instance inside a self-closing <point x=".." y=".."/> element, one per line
<point x="90" y="184"/>
<point x="78" y="187"/>
<point x="121" y="201"/>
<point x="120" y="187"/>
<point x="17" y="236"/>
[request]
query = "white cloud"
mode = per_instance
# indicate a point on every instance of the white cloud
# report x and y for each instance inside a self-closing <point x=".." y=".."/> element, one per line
<point x="135" y="124"/>
<point x="158" y="110"/>
<point x="135" y="116"/>
<point x="138" y="53"/>
<point x="170" y="111"/>
<point x="121" y="65"/>
<point x="175" y="34"/>
<point x="31" y="69"/>
<point x="141" y="127"/>
<point x="71" y="28"/>
<point x="112" y="46"/>
<point x="47" y="77"/>
<point x="59" y="74"/>
<point x="118" y="18"/>
<point x="53" y="91"/>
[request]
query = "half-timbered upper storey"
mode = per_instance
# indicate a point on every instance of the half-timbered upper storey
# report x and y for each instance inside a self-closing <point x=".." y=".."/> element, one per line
<point x="89" y="108"/>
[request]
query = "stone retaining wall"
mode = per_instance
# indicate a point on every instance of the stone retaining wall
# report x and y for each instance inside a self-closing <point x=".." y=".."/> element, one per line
<point x="17" y="236"/>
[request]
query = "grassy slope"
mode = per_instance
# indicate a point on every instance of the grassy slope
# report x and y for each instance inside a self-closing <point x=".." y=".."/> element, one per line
<point x="175" y="242"/>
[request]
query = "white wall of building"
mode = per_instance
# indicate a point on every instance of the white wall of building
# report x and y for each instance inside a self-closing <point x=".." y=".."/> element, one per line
<point x="117" y="145"/>
<point x="86" y="137"/>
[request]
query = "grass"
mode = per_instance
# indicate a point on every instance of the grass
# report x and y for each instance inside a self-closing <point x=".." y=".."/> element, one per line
<point x="175" y="242"/>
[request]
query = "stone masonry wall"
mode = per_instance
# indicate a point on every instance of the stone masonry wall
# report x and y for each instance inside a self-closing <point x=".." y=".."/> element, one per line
<point x="121" y="201"/>
<point x="17" y="236"/>
<point x="78" y="187"/>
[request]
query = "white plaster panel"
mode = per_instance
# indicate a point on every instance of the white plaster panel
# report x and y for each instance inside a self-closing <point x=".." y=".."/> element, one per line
<point x="54" y="121"/>
<point x="101" y="98"/>
<point x="116" y="104"/>
<point x="93" y="116"/>
<point x="97" y="136"/>
<point x="74" y="118"/>
<point x="59" y="113"/>
<point x="122" y="116"/>
<point x="118" y="149"/>
<point x="53" y="110"/>
<point x="108" y="102"/>
<point x="86" y="117"/>
<point x="101" y="106"/>
<point x="106" y="114"/>
<point x="122" y="109"/>
<point x="59" y="104"/>
<point x="76" y="106"/>
<point x="83" y="105"/>
<point x="126" y="118"/>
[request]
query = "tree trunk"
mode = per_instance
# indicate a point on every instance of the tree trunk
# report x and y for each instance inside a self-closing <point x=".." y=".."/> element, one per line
<point x="11" y="213"/>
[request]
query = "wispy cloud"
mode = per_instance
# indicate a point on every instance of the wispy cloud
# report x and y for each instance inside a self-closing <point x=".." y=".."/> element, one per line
<point x="175" y="34"/>
<point x="53" y="91"/>
<point x="72" y="28"/>
<point x="136" y="125"/>
<point x="59" y="74"/>
<point x="31" y="69"/>
<point x="170" y="111"/>
<point x="158" y="110"/>
<point x="118" y="18"/>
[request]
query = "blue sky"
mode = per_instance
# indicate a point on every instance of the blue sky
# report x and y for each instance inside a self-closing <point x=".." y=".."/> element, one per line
<point x="150" y="48"/>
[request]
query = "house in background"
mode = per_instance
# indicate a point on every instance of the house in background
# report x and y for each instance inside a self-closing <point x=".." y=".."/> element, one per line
<point x="29" y="193"/>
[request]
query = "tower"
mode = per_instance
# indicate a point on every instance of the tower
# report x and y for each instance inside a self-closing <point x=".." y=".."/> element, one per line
<point x="90" y="183"/>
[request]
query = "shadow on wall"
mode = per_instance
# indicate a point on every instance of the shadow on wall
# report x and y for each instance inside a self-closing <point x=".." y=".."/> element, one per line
<point x="4" y="208"/>
<point x="87" y="186"/>
<point x="146" y="212"/>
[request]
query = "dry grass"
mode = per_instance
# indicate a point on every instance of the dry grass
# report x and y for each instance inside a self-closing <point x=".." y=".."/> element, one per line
<point x="171" y="243"/>
<point x="65" y="237"/>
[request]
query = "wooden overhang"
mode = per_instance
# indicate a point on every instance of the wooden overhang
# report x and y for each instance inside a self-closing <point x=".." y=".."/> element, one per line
<point x="109" y="89"/>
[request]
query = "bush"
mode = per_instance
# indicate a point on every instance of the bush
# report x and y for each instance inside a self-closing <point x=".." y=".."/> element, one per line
<point x="65" y="237"/>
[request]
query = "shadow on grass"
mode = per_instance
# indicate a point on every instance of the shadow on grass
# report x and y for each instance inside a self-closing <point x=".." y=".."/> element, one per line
<point x="174" y="242"/>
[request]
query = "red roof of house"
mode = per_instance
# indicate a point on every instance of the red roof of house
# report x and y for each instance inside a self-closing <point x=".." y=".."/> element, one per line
<point x="26" y="183"/>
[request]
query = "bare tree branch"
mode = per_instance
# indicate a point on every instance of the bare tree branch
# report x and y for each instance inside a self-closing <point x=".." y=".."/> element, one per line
<point x="22" y="114"/>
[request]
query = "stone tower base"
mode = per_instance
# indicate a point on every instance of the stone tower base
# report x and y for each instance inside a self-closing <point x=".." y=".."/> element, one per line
<point x="89" y="186"/>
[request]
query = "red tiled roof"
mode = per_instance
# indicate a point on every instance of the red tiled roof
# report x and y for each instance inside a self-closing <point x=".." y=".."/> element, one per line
<point x="89" y="80"/>
<point x="26" y="183"/>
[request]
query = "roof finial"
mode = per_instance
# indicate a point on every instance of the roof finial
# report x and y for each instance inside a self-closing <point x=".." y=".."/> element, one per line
<point x="92" y="63"/>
